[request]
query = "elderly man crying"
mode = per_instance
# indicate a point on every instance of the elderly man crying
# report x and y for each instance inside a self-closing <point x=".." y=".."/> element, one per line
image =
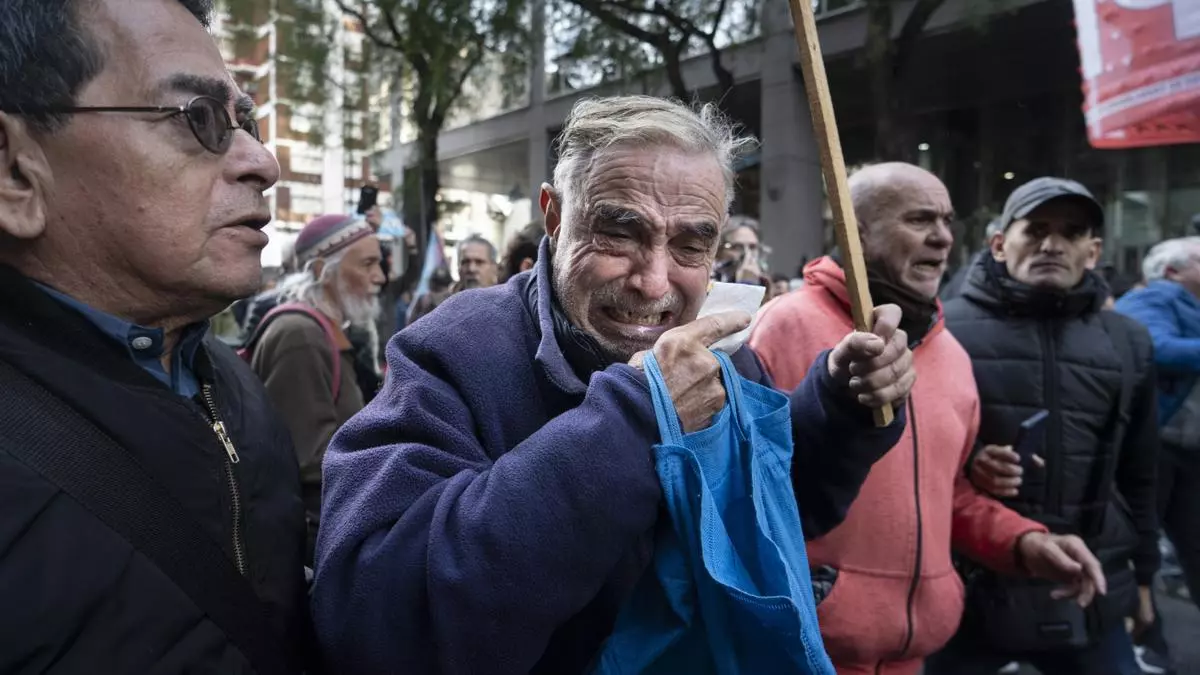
<point x="492" y="508"/>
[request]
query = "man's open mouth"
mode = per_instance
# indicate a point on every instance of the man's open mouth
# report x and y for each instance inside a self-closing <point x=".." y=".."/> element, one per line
<point x="634" y="318"/>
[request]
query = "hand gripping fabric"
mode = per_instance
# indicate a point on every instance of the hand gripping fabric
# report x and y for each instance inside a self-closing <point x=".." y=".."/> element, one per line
<point x="729" y="591"/>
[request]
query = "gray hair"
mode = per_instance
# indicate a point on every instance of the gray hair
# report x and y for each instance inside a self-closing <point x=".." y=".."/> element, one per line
<point x="596" y="124"/>
<point x="307" y="287"/>
<point x="1170" y="253"/>
<point x="738" y="222"/>
<point x="478" y="240"/>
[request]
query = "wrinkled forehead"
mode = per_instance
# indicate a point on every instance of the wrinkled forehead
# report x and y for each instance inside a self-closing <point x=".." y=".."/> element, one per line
<point x="654" y="185"/>
<point x="920" y="191"/>
<point x="476" y="251"/>
<point x="152" y="48"/>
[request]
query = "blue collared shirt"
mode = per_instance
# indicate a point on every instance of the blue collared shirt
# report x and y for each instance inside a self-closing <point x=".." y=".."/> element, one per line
<point x="145" y="345"/>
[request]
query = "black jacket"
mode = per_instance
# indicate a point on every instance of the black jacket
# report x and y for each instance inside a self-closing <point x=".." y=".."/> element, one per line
<point x="76" y="596"/>
<point x="1033" y="350"/>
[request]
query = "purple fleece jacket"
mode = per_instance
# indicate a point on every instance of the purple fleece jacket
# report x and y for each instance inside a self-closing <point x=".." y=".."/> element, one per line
<point x="488" y="512"/>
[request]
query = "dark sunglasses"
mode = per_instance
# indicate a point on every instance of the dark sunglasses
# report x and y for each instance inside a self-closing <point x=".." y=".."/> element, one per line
<point x="206" y="116"/>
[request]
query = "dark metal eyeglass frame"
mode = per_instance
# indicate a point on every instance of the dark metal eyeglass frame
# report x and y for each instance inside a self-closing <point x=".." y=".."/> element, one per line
<point x="218" y="146"/>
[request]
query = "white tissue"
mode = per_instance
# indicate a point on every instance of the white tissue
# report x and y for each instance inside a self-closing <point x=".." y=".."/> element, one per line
<point x="723" y="297"/>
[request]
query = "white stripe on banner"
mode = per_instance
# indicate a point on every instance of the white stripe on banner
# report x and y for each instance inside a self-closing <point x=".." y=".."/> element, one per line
<point x="1131" y="99"/>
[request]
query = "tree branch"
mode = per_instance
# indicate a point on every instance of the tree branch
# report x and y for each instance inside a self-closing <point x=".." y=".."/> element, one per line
<point x="442" y="107"/>
<point x="615" y="22"/>
<point x="910" y="32"/>
<point x="361" y="17"/>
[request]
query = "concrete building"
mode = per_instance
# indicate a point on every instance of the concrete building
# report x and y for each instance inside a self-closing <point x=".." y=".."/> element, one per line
<point x="994" y="95"/>
<point x="323" y="147"/>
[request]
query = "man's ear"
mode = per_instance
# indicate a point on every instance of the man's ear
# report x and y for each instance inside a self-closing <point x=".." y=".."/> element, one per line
<point x="317" y="267"/>
<point x="551" y="205"/>
<point x="996" y="243"/>
<point x="24" y="178"/>
<point x="1095" y="250"/>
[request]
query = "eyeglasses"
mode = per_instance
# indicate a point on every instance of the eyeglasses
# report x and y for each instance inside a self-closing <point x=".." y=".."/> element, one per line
<point x="740" y="247"/>
<point x="206" y="116"/>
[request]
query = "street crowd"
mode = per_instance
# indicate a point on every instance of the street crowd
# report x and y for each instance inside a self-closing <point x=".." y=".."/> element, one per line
<point x="477" y="493"/>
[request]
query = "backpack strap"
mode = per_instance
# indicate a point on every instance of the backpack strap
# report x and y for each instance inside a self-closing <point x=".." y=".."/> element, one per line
<point x="331" y="334"/>
<point x="69" y="451"/>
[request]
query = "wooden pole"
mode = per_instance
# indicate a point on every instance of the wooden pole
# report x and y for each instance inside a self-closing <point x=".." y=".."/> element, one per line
<point x="833" y="167"/>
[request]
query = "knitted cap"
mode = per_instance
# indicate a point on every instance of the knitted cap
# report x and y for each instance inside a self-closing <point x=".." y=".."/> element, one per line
<point x="328" y="234"/>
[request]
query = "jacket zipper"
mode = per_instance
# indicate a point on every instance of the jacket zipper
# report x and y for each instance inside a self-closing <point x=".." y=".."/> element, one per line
<point x="1053" y="489"/>
<point x="231" y="458"/>
<point x="916" y="576"/>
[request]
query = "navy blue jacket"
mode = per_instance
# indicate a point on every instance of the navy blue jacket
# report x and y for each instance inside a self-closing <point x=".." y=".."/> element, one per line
<point x="1172" y="315"/>
<point x="489" y="512"/>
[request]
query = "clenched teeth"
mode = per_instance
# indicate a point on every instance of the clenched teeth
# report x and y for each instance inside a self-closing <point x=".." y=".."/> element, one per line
<point x="637" y="319"/>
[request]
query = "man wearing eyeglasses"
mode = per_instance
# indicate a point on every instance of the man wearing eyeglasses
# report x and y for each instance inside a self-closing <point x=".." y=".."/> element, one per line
<point x="150" y="516"/>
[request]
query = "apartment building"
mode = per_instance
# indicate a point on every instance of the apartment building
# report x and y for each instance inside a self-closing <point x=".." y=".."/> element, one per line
<point x="317" y="125"/>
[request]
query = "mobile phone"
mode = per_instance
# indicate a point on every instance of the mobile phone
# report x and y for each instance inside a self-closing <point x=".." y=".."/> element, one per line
<point x="1031" y="435"/>
<point x="367" y="198"/>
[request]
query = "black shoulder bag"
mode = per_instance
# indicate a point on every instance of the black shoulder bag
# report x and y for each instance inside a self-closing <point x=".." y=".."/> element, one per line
<point x="41" y="430"/>
<point x="1017" y="615"/>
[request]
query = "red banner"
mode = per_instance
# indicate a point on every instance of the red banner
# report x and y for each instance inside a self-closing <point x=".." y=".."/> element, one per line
<point x="1141" y="71"/>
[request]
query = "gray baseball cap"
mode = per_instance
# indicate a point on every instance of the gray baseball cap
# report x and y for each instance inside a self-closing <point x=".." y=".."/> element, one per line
<point x="1038" y="191"/>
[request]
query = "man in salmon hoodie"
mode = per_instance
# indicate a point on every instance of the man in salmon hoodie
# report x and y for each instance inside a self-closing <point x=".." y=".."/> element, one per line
<point x="895" y="596"/>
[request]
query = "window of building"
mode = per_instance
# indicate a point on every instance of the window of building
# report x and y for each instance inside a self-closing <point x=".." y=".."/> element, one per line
<point x="307" y="160"/>
<point x="307" y="200"/>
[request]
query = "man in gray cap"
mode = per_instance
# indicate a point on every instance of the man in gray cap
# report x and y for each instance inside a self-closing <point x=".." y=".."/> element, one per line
<point x="1068" y="436"/>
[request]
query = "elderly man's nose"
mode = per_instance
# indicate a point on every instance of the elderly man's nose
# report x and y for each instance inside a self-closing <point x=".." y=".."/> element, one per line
<point x="651" y="277"/>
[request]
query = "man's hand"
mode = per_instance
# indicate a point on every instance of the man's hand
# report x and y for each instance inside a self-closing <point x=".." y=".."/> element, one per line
<point x="1065" y="559"/>
<point x="692" y="373"/>
<point x="375" y="218"/>
<point x="1143" y="619"/>
<point x="997" y="470"/>
<point x="876" y="367"/>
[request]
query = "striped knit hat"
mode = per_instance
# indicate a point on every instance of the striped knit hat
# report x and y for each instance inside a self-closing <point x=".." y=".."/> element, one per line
<point x="328" y="234"/>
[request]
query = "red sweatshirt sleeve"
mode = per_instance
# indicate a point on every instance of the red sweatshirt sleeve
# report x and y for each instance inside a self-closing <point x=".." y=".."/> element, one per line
<point x="981" y="527"/>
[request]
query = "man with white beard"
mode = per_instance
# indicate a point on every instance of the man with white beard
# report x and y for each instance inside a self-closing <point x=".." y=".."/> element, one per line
<point x="300" y="350"/>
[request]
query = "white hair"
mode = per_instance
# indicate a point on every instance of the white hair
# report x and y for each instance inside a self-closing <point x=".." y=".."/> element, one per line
<point x="1174" y="253"/>
<point x="309" y="288"/>
<point x="596" y="124"/>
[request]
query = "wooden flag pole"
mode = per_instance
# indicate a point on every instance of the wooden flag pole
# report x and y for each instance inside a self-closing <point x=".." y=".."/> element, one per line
<point x="833" y="166"/>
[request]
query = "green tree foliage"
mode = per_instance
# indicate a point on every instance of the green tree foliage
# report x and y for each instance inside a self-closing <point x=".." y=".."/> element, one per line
<point x="438" y="45"/>
<point x="617" y="39"/>
<point x="428" y="48"/>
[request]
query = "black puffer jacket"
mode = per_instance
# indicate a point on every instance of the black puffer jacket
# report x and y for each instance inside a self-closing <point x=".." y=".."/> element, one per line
<point x="1033" y="350"/>
<point x="76" y="596"/>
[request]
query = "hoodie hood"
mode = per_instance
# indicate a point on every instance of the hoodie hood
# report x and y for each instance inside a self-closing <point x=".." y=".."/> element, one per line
<point x="827" y="273"/>
<point x="989" y="285"/>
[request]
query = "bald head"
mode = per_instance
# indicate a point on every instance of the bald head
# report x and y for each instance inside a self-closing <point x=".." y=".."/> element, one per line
<point x="904" y="214"/>
<point x="877" y="188"/>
